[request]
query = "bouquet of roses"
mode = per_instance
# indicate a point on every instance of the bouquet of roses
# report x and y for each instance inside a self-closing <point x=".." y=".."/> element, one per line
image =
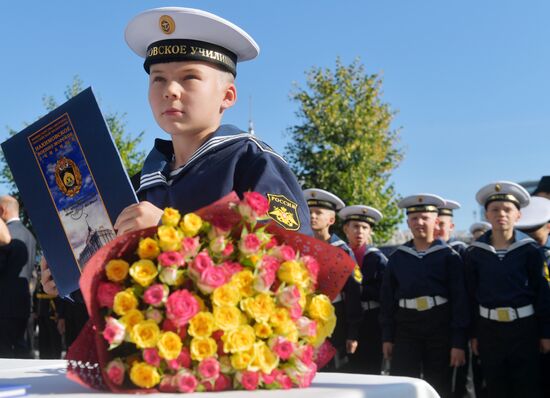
<point x="209" y="303"/>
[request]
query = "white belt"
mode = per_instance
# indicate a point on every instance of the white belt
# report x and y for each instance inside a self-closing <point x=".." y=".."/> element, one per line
<point x="506" y="314"/>
<point x="422" y="303"/>
<point x="370" y="305"/>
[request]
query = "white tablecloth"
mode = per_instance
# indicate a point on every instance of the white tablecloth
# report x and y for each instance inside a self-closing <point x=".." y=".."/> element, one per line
<point x="48" y="377"/>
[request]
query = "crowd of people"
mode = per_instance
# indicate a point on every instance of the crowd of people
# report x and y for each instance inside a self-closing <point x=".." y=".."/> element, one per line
<point x="469" y="319"/>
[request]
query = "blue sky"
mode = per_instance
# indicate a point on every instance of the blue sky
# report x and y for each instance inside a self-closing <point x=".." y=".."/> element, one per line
<point x="468" y="79"/>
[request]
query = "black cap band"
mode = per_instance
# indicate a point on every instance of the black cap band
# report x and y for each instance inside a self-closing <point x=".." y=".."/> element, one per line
<point x="325" y="204"/>
<point x="445" y="212"/>
<point x="422" y="209"/>
<point x="361" y="217"/>
<point x="502" y="197"/>
<point x="174" y="50"/>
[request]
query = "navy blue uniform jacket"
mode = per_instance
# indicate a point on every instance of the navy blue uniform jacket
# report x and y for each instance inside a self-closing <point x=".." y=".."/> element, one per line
<point x="515" y="281"/>
<point x="440" y="272"/>
<point x="230" y="160"/>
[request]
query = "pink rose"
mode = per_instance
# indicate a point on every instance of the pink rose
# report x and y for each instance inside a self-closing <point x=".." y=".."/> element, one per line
<point x="114" y="332"/>
<point x="211" y="278"/>
<point x="264" y="280"/>
<point x="156" y="294"/>
<point x="181" y="306"/>
<point x="231" y="268"/>
<point x="272" y="243"/>
<point x="115" y="371"/>
<point x="184" y="359"/>
<point x="223" y="383"/>
<point x="312" y="266"/>
<point x="257" y="202"/>
<point x="305" y="354"/>
<point x="154" y="314"/>
<point x="151" y="356"/>
<point x="249" y="244"/>
<point x="199" y="264"/>
<point x="168" y="259"/>
<point x="189" y="247"/>
<point x="284" y="253"/>
<point x="186" y="382"/>
<point x="217" y="245"/>
<point x="270" y="263"/>
<point x="289" y="296"/>
<point x="306" y="327"/>
<point x="268" y="378"/>
<point x="295" y="311"/>
<point x="250" y="380"/>
<point x="168" y="384"/>
<point x="228" y="250"/>
<point x="284" y="381"/>
<point x="209" y="368"/>
<point x="106" y="292"/>
<point x="283" y="348"/>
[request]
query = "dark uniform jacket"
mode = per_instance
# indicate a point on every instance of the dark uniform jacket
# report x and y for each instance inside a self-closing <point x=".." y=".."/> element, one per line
<point x="231" y="160"/>
<point x="439" y="272"/>
<point x="516" y="280"/>
<point x="372" y="269"/>
<point x="17" y="260"/>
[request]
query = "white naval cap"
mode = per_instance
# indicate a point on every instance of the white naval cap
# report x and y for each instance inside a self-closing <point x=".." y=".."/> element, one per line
<point x="364" y="213"/>
<point x="171" y="34"/>
<point x="448" y="207"/>
<point x="316" y="197"/>
<point x="535" y="214"/>
<point x="503" y="191"/>
<point x="421" y="203"/>
<point x="480" y="225"/>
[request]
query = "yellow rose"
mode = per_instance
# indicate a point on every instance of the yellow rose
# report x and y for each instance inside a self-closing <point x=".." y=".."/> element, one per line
<point x="244" y="280"/>
<point x="279" y="316"/>
<point x="169" y="345"/>
<point x="259" y="307"/>
<point x="239" y="340"/>
<point x="148" y="248"/>
<point x="324" y="330"/>
<point x="143" y="272"/>
<point x="169" y="238"/>
<point x="202" y="348"/>
<point x="263" y="359"/>
<point x="201" y="325"/>
<point x="293" y="272"/>
<point x="289" y="330"/>
<point x="144" y="375"/>
<point x="241" y="360"/>
<point x="191" y="224"/>
<point x="226" y="295"/>
<point x="320" y="308"/>
<point x="171" y="217"/>
<point x="124" y="301"/>
<point x="117" y="270"/>
<point x="130" y="319"/>
<point x="263" y="330"/>
<point x="227" y="318"/>
<point x="145" y="334"/>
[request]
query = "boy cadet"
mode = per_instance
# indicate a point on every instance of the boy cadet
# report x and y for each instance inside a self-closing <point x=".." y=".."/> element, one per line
<point x="535" y="222"/>
<point x="424" y="309"/>
<point x="479" y="228"/>
<point x="446" y="226"/>
<point x="359" y="221"/>
<point x="511" y="298"/>
<point x="191" y="57"/>
<point x="323" y="206"/>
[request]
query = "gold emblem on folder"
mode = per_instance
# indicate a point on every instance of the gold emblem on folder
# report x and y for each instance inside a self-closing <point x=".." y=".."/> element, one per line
<point x="68" y="177"/>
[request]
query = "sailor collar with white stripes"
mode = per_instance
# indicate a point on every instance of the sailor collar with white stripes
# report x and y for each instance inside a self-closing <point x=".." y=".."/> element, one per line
<point x="409" y="248"/>
<point x="157" y="165"/>
<point x="520" y="239"/>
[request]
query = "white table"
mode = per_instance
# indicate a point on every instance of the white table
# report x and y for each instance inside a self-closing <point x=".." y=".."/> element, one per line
<point x="48" y="377"/>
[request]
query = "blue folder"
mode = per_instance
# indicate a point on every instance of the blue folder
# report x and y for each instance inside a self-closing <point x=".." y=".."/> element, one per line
<point x="72" y="184"/>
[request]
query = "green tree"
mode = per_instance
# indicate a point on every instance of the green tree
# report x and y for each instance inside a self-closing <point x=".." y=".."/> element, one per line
<point x="127" y="144"/>
<point x="344" y="141"/>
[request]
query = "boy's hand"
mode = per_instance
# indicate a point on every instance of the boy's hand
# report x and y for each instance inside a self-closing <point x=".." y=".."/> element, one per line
<point x="138" y="216"/>
<point x="46" y="279"/>
<point x="458" y="357"/>
<point x="387" y="349"/>
<point x="351" y="346"/>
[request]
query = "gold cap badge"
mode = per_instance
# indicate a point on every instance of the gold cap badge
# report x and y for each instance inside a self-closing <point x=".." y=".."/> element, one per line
<point x="498" y="187"/>
<point x="167" y="24"/>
